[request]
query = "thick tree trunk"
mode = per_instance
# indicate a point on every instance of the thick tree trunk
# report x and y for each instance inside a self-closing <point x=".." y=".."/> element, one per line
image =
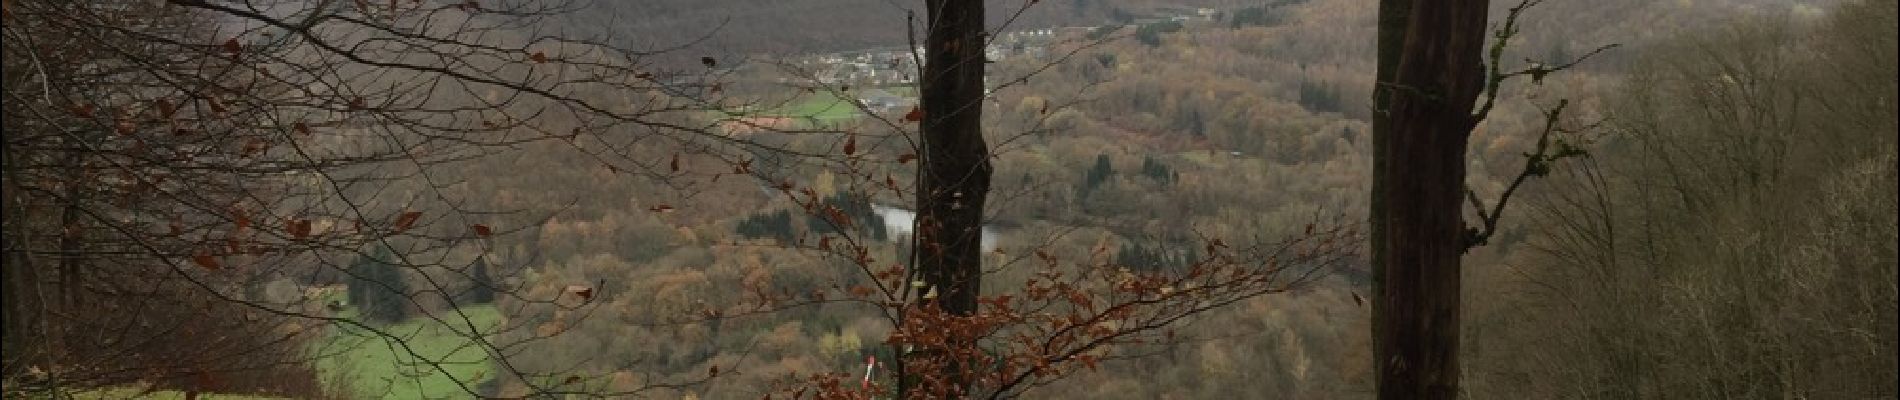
<point x="1418" y="181"/>
<point x="25" y="318"/>
<point x="955" y="179"/>
<point x="1393" y="17"/>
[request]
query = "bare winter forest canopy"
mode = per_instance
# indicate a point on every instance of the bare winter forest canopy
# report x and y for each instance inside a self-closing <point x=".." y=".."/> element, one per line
<point x="922" y="199"/>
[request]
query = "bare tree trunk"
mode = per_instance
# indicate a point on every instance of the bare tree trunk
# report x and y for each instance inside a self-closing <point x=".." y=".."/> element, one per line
<point x="1418" y="180"/>
<point x="1393" y="15"/>
<point x="25" y="317"/>
<point x="955" y="179"/>
<point x="69" y="237"/>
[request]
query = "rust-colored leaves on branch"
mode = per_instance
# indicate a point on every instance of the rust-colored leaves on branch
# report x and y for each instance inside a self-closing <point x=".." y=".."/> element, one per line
<point x="406" y="220"/>
<point x="252" y="147"/>
<point x="299" y="229"/>
<point x="217" y="106"/>
<point x="165" y="109"/>
<point x="242" y="220"/>
<point x="838" y="217"/>
<point x="232" y="47"/>
<point x="125" y="127"/>
<point x="205" y="260"/>
<point x="1074" y="321"/>
<point x="585" y="293"/>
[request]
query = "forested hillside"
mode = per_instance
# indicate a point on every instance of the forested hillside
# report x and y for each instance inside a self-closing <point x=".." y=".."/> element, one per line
<point x="1257" y="129"/>
<point x="630" y="216"/>
<point x="743" y="27"/>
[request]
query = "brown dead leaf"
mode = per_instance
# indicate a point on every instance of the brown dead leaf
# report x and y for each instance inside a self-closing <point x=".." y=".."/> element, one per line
<point x="300" y="229"/>
<point x="205" y="260"/>
<point x="585" y="293"/>
<point x="406" y="220"/>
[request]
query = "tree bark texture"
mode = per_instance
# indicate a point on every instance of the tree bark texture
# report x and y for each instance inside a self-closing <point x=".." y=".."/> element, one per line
<point x="954" y="180"/>
<point x="1418" y="184"/>
<point x="1393" y="17"/>
<point x="956" y="169"/>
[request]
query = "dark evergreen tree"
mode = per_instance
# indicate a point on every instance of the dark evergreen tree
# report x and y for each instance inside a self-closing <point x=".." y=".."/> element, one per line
<point x="857" y="209"/>
<point x="776" y="225"/>
<point x="1154" y="258"/>
<point x="1150" y="34"/>
<point x="1098" y="174"/>
<point x="481" y="286"/>
<point x="1319" y="97"/>
<point x="1197" y="124"/>
<point x="377" y="289"/>
<point x="1256" y="16"/>
<point x="1160" y="173"/>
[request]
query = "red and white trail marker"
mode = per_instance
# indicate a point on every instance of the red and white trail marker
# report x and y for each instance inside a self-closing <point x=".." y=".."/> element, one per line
<point x="870" y="365"/>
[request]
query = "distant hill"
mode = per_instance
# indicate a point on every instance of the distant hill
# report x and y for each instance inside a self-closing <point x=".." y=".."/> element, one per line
<point x="729" y="28"/>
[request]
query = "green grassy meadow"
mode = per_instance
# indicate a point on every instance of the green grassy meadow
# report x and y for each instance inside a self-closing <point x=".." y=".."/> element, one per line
<point x="822" y="106"/>
<point x="373" y="367"/>
<point x="132" y="393"/>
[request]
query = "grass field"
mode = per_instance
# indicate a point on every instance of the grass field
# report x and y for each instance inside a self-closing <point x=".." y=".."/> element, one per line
<point x="376" y="368"/>
<point x="813" y="110"/>
<point x="823" y="106"/>
<point x="129" y="393"/>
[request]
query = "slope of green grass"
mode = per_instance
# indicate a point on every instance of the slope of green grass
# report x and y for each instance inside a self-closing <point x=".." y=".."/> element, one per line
<point x="823" y="106"/>
<point x="375" y="367"/>
<point x="131" y="393"/>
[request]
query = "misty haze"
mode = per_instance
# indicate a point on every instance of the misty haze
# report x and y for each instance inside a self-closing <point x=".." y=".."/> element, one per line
<point x="944" y="199"/>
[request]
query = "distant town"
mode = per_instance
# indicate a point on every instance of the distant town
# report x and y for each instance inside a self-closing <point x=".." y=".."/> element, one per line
<point x="885" y="67"/>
